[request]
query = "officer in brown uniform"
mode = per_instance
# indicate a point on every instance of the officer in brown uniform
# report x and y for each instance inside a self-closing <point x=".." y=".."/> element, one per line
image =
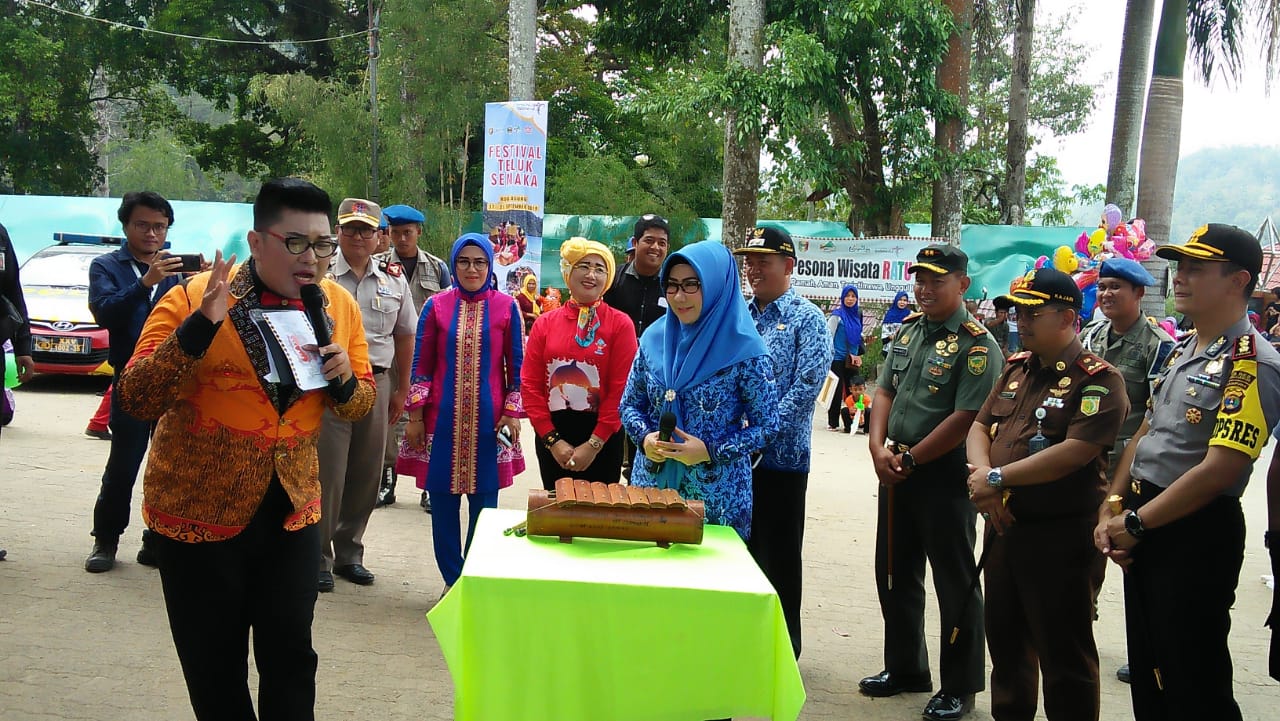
<point x="1038" y="449"/>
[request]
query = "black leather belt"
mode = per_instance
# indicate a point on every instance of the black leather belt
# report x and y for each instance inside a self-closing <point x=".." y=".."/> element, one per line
<point x="379" y="370"/>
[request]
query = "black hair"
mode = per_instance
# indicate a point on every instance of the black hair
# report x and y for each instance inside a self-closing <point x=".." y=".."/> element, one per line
<point x="857" y="381"/>
<point x="1232" y="267"/>
<point x="146" y="199"/>
<point x="280" y="194"/>
<point x="651" y="220"/>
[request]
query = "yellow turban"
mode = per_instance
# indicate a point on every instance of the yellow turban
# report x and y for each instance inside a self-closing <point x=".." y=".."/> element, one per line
<point x="575" y="249"/>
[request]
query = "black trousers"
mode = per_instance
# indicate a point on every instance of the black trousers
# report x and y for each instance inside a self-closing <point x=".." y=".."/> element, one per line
<point x="1177" y="602"/>
<point x="575" y="428"/>
<point x="1042" y="577"/>
<point x="934" y="520"/>
<point x="777" y="537"/>
<point x="263" y="579"/>
<point x="837" y="399"/>
<point x="129" y="439"/>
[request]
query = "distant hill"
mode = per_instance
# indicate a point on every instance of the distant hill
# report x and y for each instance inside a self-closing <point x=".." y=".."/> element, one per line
<point x="1236" y="185"/>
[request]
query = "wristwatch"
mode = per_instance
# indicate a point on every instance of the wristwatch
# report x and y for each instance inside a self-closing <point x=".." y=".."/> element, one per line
<point x="908" y="461"/>
<point x="1133" y="524"/>
<point x="595" y="443"/>
<point x="995" y="478"/>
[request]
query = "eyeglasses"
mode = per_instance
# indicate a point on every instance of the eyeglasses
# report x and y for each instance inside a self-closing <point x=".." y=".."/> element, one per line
<point x="363" y="231"/>
<point x="469" y="263"/>
<point x="323" y="245"/>
<point x="592" y="268"/>
<point x="1024" y="315"/>
<point x="688" y="285"/>
<point x="144" y="227"/>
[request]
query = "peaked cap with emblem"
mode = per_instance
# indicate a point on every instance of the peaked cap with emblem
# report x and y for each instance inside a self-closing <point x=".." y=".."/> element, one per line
<point x="768" y="239"/>
<point x="1046" y="285"/>
<point x="359" y="210"/>
<point x="1219" y="242"/>
<point x="941" y="259"/>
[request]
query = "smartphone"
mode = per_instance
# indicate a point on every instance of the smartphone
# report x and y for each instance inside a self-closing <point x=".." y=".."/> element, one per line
<point x="504" y="437"/>
<point x="191" y="262"/>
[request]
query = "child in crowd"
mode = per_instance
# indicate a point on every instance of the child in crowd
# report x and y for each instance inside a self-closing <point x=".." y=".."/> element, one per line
<point x="857" y="405"/>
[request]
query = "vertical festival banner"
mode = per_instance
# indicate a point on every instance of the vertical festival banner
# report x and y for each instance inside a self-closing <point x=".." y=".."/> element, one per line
<point x="515" y="172"/>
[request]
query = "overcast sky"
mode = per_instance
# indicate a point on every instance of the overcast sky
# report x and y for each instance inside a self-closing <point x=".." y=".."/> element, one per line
<point x="1211" y="117"/>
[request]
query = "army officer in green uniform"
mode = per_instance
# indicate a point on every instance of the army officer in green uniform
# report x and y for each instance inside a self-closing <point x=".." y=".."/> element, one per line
<point x="1039" y="454"/>
<point x="1182" y="536"/>
<point x="938" y="371"/>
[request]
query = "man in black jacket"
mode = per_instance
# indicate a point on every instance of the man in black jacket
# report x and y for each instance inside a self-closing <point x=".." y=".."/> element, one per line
<point x="636" y="291"/>
<point x="15" y="325"/>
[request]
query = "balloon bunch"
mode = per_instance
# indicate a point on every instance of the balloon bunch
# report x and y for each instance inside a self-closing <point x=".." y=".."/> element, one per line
<point x="1113" y="238"/>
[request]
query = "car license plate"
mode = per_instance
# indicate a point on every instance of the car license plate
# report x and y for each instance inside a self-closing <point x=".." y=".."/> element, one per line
<point x="61" y="344"/>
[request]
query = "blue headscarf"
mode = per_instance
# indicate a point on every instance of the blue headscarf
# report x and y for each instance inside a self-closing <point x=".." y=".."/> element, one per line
<point x="896" y="314"/>
<point x="850" y="318"/>
<point x="485" y="247"/>
<point x="682" y="356"/>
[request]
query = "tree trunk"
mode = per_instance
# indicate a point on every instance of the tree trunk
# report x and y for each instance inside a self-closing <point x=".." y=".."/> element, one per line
<point x="741" y="150"/>
<point x="953" y="77"/>
<point x="1131" y="88"/>
<point x="1013" y="200"/>
<point x="1161" y="141"/>
<point x="522" y="19"/>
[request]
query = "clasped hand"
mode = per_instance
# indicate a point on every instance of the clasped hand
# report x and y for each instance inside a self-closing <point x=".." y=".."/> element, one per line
<point x="988" y="499"/>
<point x="689" y="450"/>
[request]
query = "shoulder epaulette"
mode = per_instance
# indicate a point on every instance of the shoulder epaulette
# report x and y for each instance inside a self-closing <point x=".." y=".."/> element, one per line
<point x="1092" y="364"/>
<point x="1022" y="355"/>
<point x="1244" y="347"/>
<point x="976" y="329"/>
<point x="913" y="316"/>
<point x="392" y="268"/>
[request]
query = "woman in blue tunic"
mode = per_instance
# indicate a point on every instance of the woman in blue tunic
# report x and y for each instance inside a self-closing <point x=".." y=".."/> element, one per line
<point x="704" y="362"/>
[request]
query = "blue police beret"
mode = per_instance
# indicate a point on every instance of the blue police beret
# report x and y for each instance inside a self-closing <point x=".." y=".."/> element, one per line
<point x="402" y="215"/>
<point x="1125" y="269"/>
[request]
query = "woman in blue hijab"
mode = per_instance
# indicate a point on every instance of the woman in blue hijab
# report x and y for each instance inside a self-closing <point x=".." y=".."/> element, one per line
<point x="847" y="350"/>
<point x="705" y="363"/>
<point x="899" y="309"/>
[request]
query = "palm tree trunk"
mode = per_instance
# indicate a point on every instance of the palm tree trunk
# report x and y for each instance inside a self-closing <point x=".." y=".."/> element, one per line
<point x="1161" y="142"/>
<point x="1013" y="199"/>
<point x="741" y="149"/>
<point x="1131" y="87"/>
<point x="953" y="77"/>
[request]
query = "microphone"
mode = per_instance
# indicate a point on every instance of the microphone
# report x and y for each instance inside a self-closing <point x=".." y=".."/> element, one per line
<point x="666" y="424"/>
<point x="313" y="302"/>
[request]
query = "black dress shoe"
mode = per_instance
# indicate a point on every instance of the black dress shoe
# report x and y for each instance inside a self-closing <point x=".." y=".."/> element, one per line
<point x="326" y="582"/>
<point x="104" y="435"/>
<point x="147" y="554"/>
<point x="103" y="556"/>
<point x="354" y="573"/>
<point x="945" y="707"/>
<point x="1122" y="673"/>
<point x="386" y="488"/>
<point x="425" y="502"/>
<point x="886" y="684"/>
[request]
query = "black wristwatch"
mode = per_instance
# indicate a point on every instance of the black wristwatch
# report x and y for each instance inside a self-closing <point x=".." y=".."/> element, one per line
<point x="1133" y="524"/>
<point x="908" y="461"/>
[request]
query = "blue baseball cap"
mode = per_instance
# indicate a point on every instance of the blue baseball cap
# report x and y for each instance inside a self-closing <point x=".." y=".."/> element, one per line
<point x="403" y="215"/>
<point x="1126" y="269"/>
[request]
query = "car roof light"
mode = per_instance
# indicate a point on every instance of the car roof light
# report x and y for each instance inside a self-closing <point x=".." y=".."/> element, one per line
<point x="87" y="239"/>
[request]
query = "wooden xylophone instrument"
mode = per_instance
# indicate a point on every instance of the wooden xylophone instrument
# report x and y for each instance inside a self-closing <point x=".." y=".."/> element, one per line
<point x="599" y="510"/>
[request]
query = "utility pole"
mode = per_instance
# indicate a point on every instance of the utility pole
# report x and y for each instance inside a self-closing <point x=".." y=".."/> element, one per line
<point x="374" y="16"/>
<point x="522" y="26"/>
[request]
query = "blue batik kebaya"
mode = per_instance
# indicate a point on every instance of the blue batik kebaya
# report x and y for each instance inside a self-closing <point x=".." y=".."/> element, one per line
<point x="704" y="362"/>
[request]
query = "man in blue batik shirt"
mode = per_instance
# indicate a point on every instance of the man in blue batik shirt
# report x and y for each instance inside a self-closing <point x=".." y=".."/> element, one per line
<point x="795" y="333"/>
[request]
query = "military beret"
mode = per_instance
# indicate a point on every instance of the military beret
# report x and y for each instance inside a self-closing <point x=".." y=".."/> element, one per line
<point x="403" y="215"/>
<point x="1126" y="269"/>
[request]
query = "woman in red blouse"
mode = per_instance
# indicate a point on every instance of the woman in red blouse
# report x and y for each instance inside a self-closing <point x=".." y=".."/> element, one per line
<point x="576" y="363"/>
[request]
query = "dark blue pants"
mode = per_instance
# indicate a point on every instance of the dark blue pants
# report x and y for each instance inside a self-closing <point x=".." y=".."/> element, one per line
<point x="446" y="529"/>
<point x="129" y="438"/>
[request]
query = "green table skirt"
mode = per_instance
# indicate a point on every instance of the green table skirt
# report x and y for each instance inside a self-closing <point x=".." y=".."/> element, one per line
<point x="598" y="630"/>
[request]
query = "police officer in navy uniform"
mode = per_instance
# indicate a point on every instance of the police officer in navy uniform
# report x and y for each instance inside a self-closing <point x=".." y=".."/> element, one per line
<point x="940" y="368"/>
<point x="1180" y="480"/>
<point x="1038" y="451"/>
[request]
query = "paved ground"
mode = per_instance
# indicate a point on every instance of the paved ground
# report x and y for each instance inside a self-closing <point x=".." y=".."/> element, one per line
<point x="81" y="646"/>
